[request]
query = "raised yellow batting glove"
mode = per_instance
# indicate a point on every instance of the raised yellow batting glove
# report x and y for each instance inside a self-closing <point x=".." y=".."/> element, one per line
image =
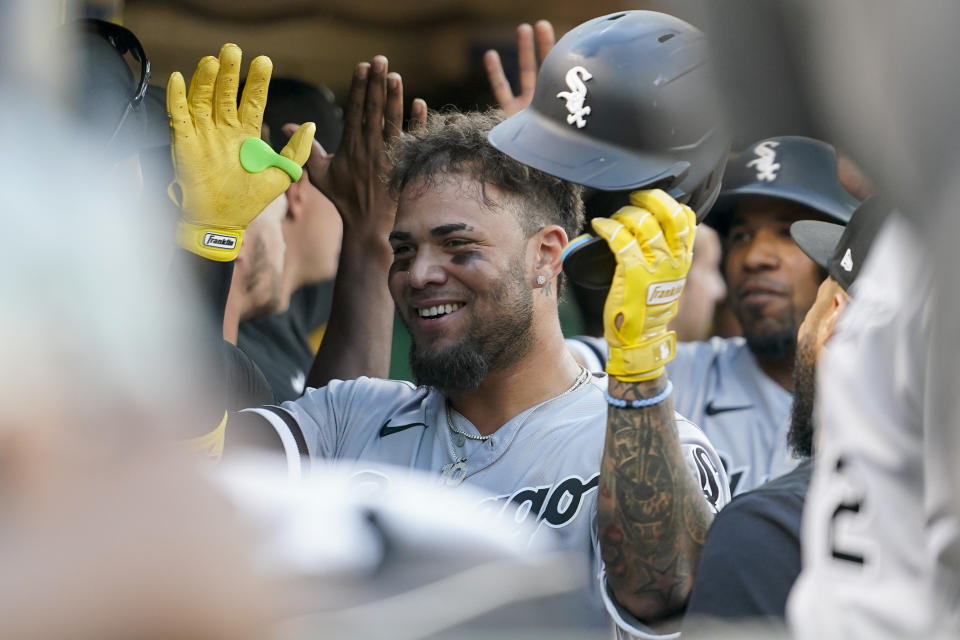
<point x="653" y="244"/>
<point x="225" y="173"/>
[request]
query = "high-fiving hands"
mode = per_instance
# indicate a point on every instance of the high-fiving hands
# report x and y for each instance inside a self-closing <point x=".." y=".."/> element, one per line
<point x="224" y="173"/>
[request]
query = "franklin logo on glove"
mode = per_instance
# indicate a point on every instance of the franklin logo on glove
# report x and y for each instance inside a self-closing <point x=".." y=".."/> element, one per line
<point x="660" y="292"/>
<point x="219" y="241"/>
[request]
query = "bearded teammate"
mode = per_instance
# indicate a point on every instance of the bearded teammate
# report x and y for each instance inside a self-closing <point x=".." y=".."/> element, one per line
<point x="740" y="389"/>
<point x="500" y="403"/>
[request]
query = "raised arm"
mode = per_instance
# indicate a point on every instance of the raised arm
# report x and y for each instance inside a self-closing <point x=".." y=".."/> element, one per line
<point x="359" y="334"/>
<point x="652" y="514"/>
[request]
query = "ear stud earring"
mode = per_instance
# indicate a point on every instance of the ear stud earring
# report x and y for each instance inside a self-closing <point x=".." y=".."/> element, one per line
<point x="541" y="280"/>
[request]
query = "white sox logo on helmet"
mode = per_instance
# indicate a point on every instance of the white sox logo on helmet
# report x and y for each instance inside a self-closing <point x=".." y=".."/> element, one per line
<point x="765" y="162"/>
<point x="577" y="95"/>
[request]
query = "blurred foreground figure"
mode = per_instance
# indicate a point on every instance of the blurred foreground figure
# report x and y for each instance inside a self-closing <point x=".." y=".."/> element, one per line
<point x="107" y="531"/>
<point x="876" y="527"/>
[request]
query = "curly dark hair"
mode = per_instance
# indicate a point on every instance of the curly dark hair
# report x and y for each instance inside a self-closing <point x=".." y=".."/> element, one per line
<point x="456" y="143"/>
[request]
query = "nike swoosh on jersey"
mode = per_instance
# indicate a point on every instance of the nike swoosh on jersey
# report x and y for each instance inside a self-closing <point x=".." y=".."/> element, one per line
<point x="386" y="430"/>
<point x="711" y="410"/>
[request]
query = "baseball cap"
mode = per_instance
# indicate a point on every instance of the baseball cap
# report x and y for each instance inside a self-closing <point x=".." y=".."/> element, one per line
<point x="839" y="249"/>
<point x="793" y="168"/>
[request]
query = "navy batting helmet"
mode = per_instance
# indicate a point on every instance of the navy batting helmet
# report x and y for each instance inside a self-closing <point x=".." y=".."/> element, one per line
<point x="794" y="168"/>
<point x="625" y="101"/>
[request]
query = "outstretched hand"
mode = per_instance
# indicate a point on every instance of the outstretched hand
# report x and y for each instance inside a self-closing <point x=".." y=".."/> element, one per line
<point x="542" y="32"/>
<point x="353" y="177"/>
<point x="224" y="175"/>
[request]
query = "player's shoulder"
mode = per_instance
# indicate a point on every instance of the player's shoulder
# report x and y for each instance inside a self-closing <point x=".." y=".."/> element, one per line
<point x="364" y="384"/>
<point x="592" y="351"/>
<point x="779" y="502"/>
<point x="793" y="483"/>
<point x="363" y="395"/>
<point x="688" y="430"/>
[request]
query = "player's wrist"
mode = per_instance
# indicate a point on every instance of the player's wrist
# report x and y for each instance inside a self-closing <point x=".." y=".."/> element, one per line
<point x="644" y="361"/>
<point x="642" y="402"/>
<point x="636" y="390"/>
<point x="214" y="243"/>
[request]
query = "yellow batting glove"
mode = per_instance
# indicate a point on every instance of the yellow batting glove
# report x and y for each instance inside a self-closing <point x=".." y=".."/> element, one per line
<point x="225" y="173"/>
<point x="652" y="241"/>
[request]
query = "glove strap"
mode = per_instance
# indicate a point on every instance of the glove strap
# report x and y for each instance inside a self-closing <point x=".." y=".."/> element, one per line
<point x="212" y="243"/>
<point x="644" y="361"/>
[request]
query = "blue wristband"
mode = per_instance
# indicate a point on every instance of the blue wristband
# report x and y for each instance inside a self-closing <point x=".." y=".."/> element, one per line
<point x="640" y="404"/>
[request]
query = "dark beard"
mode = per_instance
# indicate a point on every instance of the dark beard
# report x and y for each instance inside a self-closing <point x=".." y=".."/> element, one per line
<point x="772" y="345"/>
<point x="780" y="341"/>
<point x="489" y="346"/>
<point x="800" y="436"/>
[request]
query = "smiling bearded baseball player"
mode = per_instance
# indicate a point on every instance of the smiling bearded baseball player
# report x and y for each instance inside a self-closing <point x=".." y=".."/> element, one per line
<point x="501" y="404"/>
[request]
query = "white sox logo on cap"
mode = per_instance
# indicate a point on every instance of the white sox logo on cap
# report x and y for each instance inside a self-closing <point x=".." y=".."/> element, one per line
<point x="765" y="162"/>
<point x="577" y="95"/>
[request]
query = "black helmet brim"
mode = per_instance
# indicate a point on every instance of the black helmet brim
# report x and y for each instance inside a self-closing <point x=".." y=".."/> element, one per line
<point x="719" y="216"/>
<point x="541" y="143"/>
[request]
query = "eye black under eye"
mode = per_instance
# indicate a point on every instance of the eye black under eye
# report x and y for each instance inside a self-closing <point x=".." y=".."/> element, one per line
<point x="399" y="264"/>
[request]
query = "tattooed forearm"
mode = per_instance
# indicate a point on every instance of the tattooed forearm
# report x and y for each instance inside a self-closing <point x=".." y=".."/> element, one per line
<point x="652" y="516"/>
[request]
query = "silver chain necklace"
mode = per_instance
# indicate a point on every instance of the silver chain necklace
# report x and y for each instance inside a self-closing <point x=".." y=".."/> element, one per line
<point x="453" y="473"/>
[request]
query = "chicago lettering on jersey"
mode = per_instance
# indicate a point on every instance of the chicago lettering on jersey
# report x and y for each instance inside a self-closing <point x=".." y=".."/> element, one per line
<point x="556" y="504"/>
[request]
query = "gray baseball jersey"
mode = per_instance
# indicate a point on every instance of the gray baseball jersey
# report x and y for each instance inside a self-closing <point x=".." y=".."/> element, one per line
<point x="543" y="465"/>
<point x="878" y="517"/>
<point x="746" y="415"/>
